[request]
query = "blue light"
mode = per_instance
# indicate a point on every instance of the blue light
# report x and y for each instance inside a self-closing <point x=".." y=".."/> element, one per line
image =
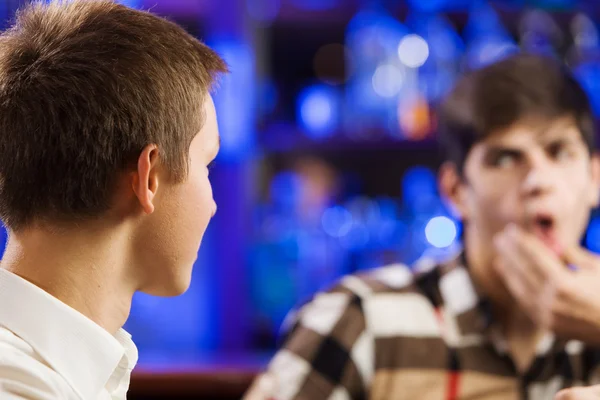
<point x="234" y="99"/>
<point x="488" y="40"/>
<point x="592" y="239"/>
<point x="318" y="110"/>
<point x="483" y="21"/>
<point x="428" y="5"/>
<point x="588" y="75"/>
<point x="3" y="239"/>
<point x="434" y="6"/>
<point x="131" y="3"/>
<point x="446" y="47"/>
<point x="285" y="189"/>
<point x="441" y="35"/>
<point x="556" y="4"/>
<point x="440" y="232"/>
<point x="263" y="10"/>
<point x="336" y="221"/>
<point x="269" y="96"/>
<point x="316" y="5"/>
<point x="418" y="181"/>
<point x="489" y="50"/>
<point x="372" y="39"/>
<point x="357" y="238"/>
<point x="413" y="51"/>
<point x="4" y="15"/>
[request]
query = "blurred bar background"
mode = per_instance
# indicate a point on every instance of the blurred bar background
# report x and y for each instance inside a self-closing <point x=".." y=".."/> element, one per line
<point x="328" y="159"/>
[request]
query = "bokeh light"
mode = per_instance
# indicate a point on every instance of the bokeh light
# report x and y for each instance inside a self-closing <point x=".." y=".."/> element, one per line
<point x="318" y="110"/>
<point x="413" y="51"/>
<point x="414" y="117"/>
<point x="440" y="232"/>
<point x="336" y="221"/>
<point x="387" y="80"/>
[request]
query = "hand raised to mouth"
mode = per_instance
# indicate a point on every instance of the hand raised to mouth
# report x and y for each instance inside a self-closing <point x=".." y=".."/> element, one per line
<point x="546" y="286"/>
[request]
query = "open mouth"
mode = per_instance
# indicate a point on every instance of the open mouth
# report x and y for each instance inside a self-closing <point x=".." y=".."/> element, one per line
<point x="543" y="223"/>
<point x="543" y="226"/>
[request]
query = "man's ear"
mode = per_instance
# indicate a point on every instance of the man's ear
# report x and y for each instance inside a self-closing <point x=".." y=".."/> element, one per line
<point x="595" y="189"/>
<point x="452" y="187"/>
<point x="146" y="177"/>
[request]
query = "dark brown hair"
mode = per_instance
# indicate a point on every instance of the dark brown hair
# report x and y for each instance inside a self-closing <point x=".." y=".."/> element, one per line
<point x="84" y="87"/>
<point x="497" y="96"/>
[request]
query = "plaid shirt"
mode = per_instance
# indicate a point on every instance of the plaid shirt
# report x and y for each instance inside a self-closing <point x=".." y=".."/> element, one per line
<point x="395" y="334"/>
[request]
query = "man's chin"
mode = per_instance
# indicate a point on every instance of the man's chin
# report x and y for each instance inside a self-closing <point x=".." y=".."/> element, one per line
<point x="168" y="287"/>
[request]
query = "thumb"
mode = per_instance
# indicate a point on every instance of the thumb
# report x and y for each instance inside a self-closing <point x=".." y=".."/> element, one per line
<point x="580" y="393"/>
<point x="581" y="258"/>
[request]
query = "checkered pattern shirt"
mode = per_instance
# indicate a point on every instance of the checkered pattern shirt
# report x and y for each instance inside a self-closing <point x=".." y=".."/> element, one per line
<point x="399" y="334"/>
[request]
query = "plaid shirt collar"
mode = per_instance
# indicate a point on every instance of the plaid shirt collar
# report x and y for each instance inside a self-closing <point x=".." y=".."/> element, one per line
<point x="473" y="311"/>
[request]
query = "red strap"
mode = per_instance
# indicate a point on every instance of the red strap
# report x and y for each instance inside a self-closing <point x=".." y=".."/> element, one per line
<point x="453" y="381"/>
<point x="453" y="376"/>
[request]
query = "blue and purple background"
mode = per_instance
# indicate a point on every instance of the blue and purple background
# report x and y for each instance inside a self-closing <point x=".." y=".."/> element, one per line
<point x="328" y="149"/>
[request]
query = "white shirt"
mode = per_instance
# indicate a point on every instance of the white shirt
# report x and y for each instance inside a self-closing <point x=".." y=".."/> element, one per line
<point x="50" y="351"/>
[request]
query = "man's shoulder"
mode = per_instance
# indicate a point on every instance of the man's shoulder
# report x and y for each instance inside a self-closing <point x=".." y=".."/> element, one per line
<point x="24" y="371"/>
<point x="387" y="303"/>
<point x="395" y="286"/>
<point x="381" y="298"/>
<point x="17" y="352"/>
<point x="419" y="279"/>
<point x="382" y="280"/>
<point x="11" y="344"/>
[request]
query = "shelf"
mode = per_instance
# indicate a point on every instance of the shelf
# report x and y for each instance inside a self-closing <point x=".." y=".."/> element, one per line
<point x="289" y="139"/>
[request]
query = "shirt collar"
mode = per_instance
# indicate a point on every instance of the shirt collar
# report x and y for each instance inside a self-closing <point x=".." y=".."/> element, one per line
<point x="78" y="349"/>
<point x="473" y="311"/>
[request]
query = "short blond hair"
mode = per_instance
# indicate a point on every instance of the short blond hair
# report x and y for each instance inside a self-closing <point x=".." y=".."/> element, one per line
<point x="84" y="87"/>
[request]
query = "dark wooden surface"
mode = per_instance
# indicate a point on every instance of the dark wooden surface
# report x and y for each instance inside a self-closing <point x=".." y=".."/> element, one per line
<point x="195" y="376"/>
<point x="216" y="384"/>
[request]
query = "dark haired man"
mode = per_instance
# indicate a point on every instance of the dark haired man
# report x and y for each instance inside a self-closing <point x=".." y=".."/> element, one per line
<point x="516" y="314"/>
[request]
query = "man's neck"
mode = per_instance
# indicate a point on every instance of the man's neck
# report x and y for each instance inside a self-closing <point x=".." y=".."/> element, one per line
<point x="88" y="271"/>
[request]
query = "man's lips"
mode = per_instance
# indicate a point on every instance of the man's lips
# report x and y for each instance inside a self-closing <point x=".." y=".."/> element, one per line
<point x="543" y="225"/>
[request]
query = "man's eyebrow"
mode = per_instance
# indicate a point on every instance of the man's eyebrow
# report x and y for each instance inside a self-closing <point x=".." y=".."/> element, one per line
<point x="556" y="139"/>
<point x="499" y="148"/>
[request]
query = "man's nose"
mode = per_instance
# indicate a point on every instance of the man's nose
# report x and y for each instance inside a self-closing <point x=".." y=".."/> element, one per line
<point x="539" y="177"/>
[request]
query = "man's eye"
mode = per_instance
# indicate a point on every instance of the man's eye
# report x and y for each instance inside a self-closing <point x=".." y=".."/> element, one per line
<point x="559" y="152"/>
<point x="504" y="160"/>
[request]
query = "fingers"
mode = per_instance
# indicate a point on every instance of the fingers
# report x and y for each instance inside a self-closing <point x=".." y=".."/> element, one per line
<point x="532" y="273"/>
<point x="513" y="279"/>
<point x="581" y="258"/>
<point x="540" y="257"/>
<point x="524" y="257"/>
<point x="580" y="393"/>
<point x="533" y="253"/>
